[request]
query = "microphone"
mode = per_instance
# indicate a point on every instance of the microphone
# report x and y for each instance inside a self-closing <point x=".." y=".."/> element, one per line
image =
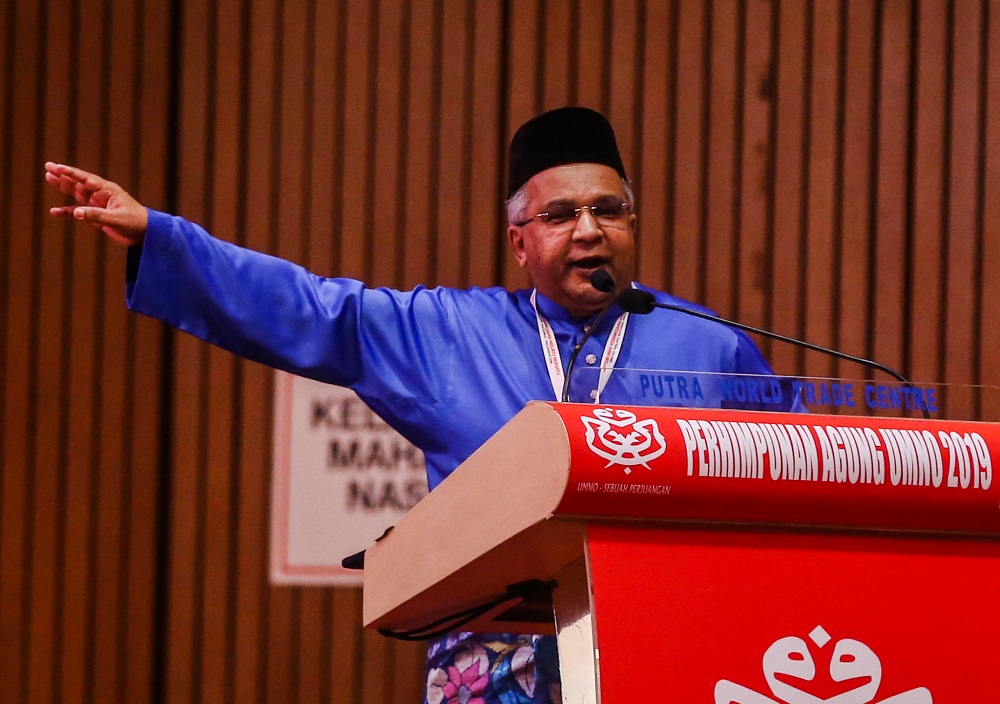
<point x="602" y="281"/>
<point x="634" y="300"/>
<point x="605" y="283"/>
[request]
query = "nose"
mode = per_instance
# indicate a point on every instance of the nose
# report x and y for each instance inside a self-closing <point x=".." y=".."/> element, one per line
<point x="586" y="225"/>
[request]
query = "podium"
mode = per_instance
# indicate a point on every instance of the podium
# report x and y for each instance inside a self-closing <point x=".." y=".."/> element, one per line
<point x="700" y="555"/>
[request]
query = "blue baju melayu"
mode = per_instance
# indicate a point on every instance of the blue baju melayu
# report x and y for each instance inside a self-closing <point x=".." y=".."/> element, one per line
<point x="446" y="368"/>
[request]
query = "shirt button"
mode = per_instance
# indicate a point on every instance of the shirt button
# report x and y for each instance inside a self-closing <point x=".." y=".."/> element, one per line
<point x="593" y="393"/>
<point x="591" y="358"/>
<point x="586" y="328"/>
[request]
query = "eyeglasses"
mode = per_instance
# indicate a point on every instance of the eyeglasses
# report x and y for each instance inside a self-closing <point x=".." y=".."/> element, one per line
<point x="611" y="214"/>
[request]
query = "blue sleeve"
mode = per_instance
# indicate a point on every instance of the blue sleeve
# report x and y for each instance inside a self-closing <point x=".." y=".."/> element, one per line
<point x="385" y="344"/>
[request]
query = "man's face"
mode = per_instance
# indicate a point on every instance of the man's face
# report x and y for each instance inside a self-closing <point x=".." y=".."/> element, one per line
<point x="560" y="259"/>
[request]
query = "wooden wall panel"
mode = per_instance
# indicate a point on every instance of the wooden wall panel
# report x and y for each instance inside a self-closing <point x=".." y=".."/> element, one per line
<point x="722" y="202"/>
<point x="929" y="171"/>
<point x="421" y="115"/>
<point x="260" y="212"/>
<point x="453" y="140"/>
<point x="789" y="184"/>
<point x="651" y="171"/>
<point x="20" y="403"/>
<point x="47" y="446"/>
<point x="827" y="169"/>
<point x="962" y="233"/>
<point x="482" y="170"/>
<point x="895" y="73"/>
<point x="821" y="159"/>
<point x="691" y="150"/>
<point x="989" y="261"/>
<point x="77" y="472"/>
<point x="854" y="260"/>
<point x="633" y="26"/>
<point x="746" y="293"/>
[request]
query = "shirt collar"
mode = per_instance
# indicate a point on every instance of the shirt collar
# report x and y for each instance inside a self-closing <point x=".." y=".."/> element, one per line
<point x="555" y="313"/>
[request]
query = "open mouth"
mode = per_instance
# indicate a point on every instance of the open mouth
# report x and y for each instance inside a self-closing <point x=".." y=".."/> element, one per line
<point x="589" y="263"/>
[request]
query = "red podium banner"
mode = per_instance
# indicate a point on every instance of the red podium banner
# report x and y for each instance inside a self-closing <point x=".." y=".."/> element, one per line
<point x="706" y="464"/>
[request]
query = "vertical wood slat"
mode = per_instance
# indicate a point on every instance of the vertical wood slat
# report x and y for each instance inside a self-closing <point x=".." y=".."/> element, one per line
<point x="284" y="617"/>
<point x="929" y="173"/>
<point x="386" y="137"/>
<point x="723" y="161"/>
<point x="589" y="51"/>
<point x="260" y="209"/>
<point x="16" y="511"/>
<point x="420" y="140"/>
<point x="989" y="296"/>
<point x="216" y="608"/>
<point x="452" y="150"/>
<point x="823" y="60"/>
<point x="190" y="405"/>
<point x="557" y="73"/>
<point x="132" y="347"/>
<point x="319" y="51"/>
<point x="688" y="227"/>
<point x="855" y="233"/>
<point x="652" y="171"/>
<point x="750" y="293"/>
<point x="11" y="477"/>
<point x="961" y="234"/>
<point x="46" y="461"/>
<point x="83" y="394"/>
<point x="485" y="181"/>
<point x="629" y="28"/>
<point x="356" y="153"/>
<point x="322" y="144"/>
<point x="147" y="167"/>
<point x="524" y="72"/>
<point x="885" y="324"/>
<point x="113" y="483"/>
<point x="788" y="184"/>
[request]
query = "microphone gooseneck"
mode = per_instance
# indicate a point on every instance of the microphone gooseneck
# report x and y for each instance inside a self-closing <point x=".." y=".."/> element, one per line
<point x="604" y="282"/>
<point x="635" y="300"/>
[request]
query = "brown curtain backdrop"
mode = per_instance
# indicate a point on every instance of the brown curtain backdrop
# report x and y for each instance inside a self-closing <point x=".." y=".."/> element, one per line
<point x="828" y="169"/>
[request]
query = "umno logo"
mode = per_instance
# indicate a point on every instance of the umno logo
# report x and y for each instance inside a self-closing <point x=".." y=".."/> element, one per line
<point x="851" y="662"/>
<point x="619" y="437"/>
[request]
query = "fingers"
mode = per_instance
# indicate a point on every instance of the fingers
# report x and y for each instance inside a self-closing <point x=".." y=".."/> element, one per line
<point x="101" y="203"/>
<point x="98" y="217"/>
<point x="80" y="185"/>
<point x="71" y="174"/>
<point x="69" y="187"/>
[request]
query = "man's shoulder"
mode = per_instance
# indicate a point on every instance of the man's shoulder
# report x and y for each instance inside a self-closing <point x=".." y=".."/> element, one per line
<point x="469" y="304"/>
<point x="472" y="295"/>
<point x="671" y="299"/>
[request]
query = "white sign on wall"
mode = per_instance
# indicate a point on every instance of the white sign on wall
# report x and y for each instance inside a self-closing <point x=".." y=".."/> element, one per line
<point x="341" y="477"/>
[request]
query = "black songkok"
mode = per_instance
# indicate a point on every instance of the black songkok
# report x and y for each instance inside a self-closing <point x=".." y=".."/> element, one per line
<point x="570" y="135"/>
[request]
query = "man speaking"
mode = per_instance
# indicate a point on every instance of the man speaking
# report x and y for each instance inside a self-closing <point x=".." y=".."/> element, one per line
<point x="445" y="367"/>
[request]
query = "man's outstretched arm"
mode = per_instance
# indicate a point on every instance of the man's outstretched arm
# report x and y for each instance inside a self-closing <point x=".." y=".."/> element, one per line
<point x="104" y="204"/>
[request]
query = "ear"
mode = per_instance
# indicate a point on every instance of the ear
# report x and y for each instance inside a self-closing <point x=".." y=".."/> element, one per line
<point x="516" y="238"/>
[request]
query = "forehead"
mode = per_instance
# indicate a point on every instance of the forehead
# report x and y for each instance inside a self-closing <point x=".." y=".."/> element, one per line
<point x="576" y="183"/>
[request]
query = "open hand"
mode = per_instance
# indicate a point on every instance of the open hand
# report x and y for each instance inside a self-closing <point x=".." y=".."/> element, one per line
<point x="105" y="205"/>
